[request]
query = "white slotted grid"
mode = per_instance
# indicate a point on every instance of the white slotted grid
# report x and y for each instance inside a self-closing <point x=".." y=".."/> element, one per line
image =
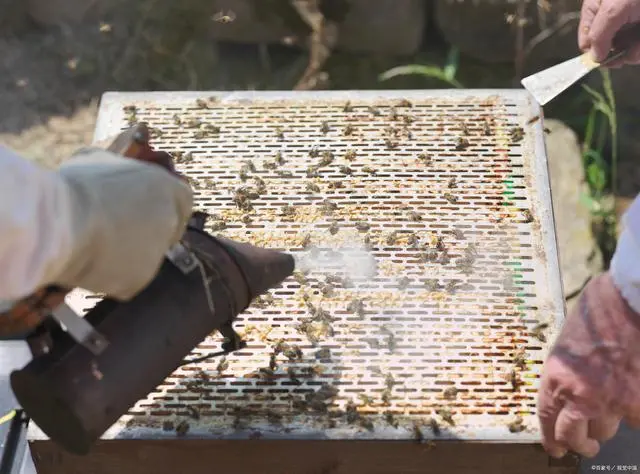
<point x="469" y="203"/>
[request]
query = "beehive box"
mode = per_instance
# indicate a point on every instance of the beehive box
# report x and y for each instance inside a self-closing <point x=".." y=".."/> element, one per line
<point x="428" y="290"/>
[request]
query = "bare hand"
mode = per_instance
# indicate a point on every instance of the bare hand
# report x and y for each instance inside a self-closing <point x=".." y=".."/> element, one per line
<point x="591" y="380"/>
<point x="600" y="21"/>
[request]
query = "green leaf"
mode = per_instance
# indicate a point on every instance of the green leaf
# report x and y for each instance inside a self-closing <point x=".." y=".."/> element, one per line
<point x="451" y="67"/>
<point x="596" y="177"/>
<point x="595" y="94"/>
<point x="590" y="129"/>
<point x="418" y="69"/>
<point x="604" y="108"/>
<point x="592" y="156"/>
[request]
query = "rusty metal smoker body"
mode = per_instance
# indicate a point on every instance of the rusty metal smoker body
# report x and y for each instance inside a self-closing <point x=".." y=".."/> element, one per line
<point x="84" y="377"/>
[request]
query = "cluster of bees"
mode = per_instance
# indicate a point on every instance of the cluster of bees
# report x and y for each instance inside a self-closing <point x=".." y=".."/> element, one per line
<point x="317" y="325"/>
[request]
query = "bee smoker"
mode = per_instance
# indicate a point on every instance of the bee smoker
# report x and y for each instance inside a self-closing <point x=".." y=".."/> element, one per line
<point x="74" y="395"/>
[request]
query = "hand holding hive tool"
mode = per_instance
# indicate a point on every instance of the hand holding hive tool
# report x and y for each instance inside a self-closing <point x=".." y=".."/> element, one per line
<point x="546" y="85"/>
<point x="87" y="372"/>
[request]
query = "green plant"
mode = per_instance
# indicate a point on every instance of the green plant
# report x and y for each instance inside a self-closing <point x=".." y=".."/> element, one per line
<point x="445" y="74"/>
<point x="601" y="177"/>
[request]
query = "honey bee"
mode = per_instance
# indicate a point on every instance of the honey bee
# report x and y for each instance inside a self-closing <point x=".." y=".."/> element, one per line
<point x="404" y="283"/>
<point x="326" y="160"/>
<point x="293" y="376"/>
<point x="350" y="155"/>
<point x="516" y="134"/>
<point x="462" y="144"/>
<point x="533" y="120"/>
<point x="324" y="128"/>
<point x="218" y="226"/>
<point x="393" y="114"/>
<point x="279" y="159"/>
<point x="452" y="183"/>
<point x="362" y="226"/>
<point x="486" y="128"/>
<point x="323" y="354"/>
<point x="221" y="17"/>
<point x="464" y="128"/>
<point x="435" y="427"/>
<point x="452" y="286"/>
<point x="538" y="333"/>
<point x="417" y="433"/>
<point x="273" y="362"/>
<point x="390" y="144"/>
<point x="458" y="234"/>
<point x="312" y="172"/>
<point x="373" y="110"/>
<point x="347" y="107"/>
<point x="314" y="152"/>
<point x="279" y="133"/>
<point x="212" y="129"/>
<point x="432" y="284"/>
<point x="345" y="170"/>
<point x="527" y="215"/>
<point x="312" y="188"/>
<point x="514" y="380"/>
<point x="182" y="428"/>
<point x="450" y="198"/>
<point x="424" y="158"/>
<point x="348" y="130"/>
<point x="293" y="353"/>
<point x="392" y="238"/>
<point x="517" y="425"/>
<point x="446" y="415"/>
<point x="391" y="420"/>
<point x="306" y="240"/>
<point x="415" y="216"/>
<point x="284" y="173"/>
<point x="356" y="307"/>
<point x="334" y="228"/>
<point x="328" y="206"/>
<point x="408" y="119"/>
<point x="404" y="103"/>
<point x="288" y="211"/>
<point x="366" y="424"/>
<point x="193" y="123"/>
<point x="222" y="365"/>
<point x="202" y="104"/>
<point x="520" y="359"/>
<point x="368" y="169"/>
<point x="450" y="393"/>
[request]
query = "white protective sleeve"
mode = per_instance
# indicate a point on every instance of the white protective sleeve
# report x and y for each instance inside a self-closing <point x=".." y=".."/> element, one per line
<point x="35" y="224"/>
<point x="101" y="222"/>
<point x="625" y="264"/>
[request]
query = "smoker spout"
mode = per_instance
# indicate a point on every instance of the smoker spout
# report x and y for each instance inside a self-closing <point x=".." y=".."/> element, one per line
<point x="262" y="268"/>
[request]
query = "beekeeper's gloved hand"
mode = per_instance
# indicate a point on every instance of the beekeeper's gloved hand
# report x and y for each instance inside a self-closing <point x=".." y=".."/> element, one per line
<point x="600" y="21"/>
<point x="102" y="222"/>
<point x="591" y="379"/>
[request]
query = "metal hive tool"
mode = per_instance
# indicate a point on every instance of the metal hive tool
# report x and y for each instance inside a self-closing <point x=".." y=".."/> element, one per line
<point x="439" y="244"/>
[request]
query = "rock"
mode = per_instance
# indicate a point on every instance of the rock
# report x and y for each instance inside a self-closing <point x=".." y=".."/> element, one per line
<point x="479" y="28"/>
<point x="14" y="18"/>
<point x="57" y="12"/>
<point x="386" y="27"/>
<point x="580" y="257"/>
